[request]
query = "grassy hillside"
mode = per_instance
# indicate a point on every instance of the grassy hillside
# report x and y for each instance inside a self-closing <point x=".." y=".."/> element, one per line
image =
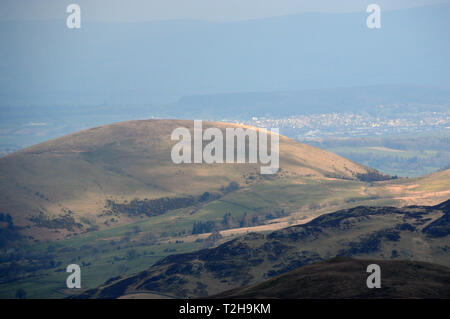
<point x="77" y="174"/>
<point x="111" y="200"/>
<point x="68" y="185"/>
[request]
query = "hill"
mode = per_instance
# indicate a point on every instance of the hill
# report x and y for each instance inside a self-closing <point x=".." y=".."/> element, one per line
<point x="103" y="169"/>
<point x="111" y="199"/>
<point x="346" y="278"/>
<point x="419" y="233"/>
<point x="117" y="174"/>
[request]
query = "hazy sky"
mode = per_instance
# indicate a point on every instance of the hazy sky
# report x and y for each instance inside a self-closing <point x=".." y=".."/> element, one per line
<point x="214" y="10"/>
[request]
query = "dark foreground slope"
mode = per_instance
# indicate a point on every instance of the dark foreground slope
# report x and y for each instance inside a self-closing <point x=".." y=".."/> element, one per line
<point x="386" y="233"/>
<point x="343" y="277"/>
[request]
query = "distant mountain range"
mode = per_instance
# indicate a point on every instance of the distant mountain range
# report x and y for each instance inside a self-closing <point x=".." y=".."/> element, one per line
<point x="418" y="233"/>
<point x="406" y="98"/>
<point x="45" y="63"/>
<point x="29" y="124"/>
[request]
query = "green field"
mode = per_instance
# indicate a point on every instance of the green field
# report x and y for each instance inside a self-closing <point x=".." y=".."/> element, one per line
<point x="63" y="196"/>
<point x="127" y="249"/>
<point x="405" y="163"/>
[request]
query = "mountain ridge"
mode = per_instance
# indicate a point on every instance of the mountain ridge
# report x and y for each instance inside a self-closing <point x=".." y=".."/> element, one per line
<point x="57" y="184"/>
<point x="306" y="43"/>
<point x="361" y="232"/>
<point x="81" y="172"/>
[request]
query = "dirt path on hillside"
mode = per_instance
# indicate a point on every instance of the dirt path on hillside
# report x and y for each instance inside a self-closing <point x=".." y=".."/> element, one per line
<point x="243" y="230"/>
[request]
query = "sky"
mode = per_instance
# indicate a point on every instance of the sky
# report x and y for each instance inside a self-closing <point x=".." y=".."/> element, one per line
<point x="46" y="63"/>
<point x="211" y="10"/>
